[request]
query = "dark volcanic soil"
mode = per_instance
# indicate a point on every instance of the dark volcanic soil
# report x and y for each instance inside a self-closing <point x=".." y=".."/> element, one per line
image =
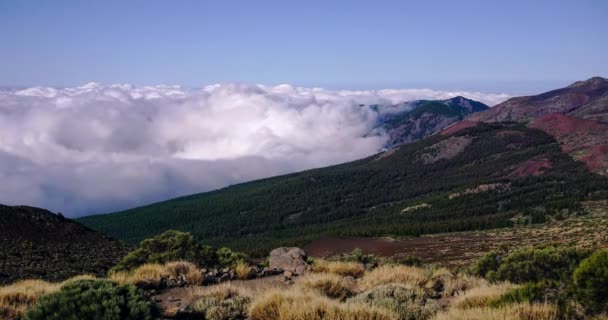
<point x="429" y="249"/>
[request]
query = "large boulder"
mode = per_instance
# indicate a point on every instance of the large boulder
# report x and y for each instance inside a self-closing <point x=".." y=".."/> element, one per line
<point x="288" y="259"/>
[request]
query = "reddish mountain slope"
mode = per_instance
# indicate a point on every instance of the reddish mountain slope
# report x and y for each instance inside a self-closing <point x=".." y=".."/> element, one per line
<point x="584" y="99"/>
<point x="577" y="116"/>
<point x="585" y="140"/>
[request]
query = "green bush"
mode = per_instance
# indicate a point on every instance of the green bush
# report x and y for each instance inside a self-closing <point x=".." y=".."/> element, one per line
<point x="170" y="246"/>
<point x="357" y="255"/>
<point x="591" y="282"/>
<point x="229" y="258"/>
<point x="411" y="261"/>
<point x="406" y="303"/>
<point x="543" y="291"/>
<point x="530" y="264"/>
<point x="92" y="300"/>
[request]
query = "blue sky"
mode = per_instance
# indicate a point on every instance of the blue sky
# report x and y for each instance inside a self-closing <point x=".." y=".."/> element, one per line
<point x="512" y="46"/>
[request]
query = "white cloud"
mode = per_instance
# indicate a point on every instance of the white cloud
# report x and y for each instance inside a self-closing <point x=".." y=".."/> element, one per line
<point x="98" y="148"/>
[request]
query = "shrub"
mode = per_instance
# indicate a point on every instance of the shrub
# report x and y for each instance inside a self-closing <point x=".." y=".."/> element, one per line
<point x="591" y="282"/>
<point x="357" y="255"/>
<point x="544" y="291"/>
<point x="411" y="261"/>
<point x="222" y="303"/>
<point x="294" y="305"/>
<point x="15" y="298"/>
<point x="170" y="246"/>
<point x="406" y="303"/>
<point x="92" y="299"/>
<point x="229" y="258"/>
<point x="531" y="264"/>
<point x="329" y="285"/>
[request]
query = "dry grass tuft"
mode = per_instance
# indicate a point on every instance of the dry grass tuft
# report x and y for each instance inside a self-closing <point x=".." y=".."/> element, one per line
<point x="298" y="305"/>
<point x="511" y="312"/>
<point x="341" y="268"/>
<point x="120" y="277"/>
<point x="395" y="274"/>
<point x="148" y="275"/>
<point x="79" y="277"/>
<point x="329" y="285"/>
<point x="222" y="302"/>
<point x="243" y="270"/>
<point x="17" y="297"/>
<point x="187" y="269"/>
<point x="481" y="296"/>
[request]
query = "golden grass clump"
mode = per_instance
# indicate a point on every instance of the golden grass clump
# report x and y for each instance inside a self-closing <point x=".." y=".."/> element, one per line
<point x="120" y="277"/>
<point x="148" y="275"/>
<point x="299" y="305"/>
<point x="17" y="297"/>
<point x="481" y="296"/>
<point x="329" y="285"/>
<point x="243" y="270"/>
<point x="187" y="269"/>
<point x="397" y="274"/>
<point x="341" y="268"/>
<point x="79" y="277"/>
<point x="522" y="311"/>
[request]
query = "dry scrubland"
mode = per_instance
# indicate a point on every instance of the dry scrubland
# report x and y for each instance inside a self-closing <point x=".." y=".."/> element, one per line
<point x="378" y="288"/>
<point x="333" y="290"/>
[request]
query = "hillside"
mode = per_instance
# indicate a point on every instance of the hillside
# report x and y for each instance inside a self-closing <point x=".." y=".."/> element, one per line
<point x="477" y="178"/>
<point x="583" y="99"/>
<point x="576" y="116"/>
<point x="423" y="118"/>
<point x="35" y="243"/>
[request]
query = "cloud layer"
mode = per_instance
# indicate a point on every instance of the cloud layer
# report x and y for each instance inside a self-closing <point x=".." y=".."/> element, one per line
<point x="99" y="148"/>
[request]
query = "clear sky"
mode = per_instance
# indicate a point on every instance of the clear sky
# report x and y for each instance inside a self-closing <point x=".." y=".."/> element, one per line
<point x="485" y="45"/>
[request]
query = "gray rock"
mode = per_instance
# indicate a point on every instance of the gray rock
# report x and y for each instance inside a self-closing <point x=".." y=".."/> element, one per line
<point x="291" y="259"/>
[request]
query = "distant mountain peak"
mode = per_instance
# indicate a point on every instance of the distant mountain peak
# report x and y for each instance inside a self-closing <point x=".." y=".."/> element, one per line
<point x="591" y="82"/>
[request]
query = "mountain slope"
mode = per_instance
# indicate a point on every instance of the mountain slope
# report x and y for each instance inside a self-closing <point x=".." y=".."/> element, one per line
<point x="480" y="177"/>
<point x="586" y="99"/>
<point x="577" y="116"/>
<point x="35" y="243"/>
<point x="423" y="118"/>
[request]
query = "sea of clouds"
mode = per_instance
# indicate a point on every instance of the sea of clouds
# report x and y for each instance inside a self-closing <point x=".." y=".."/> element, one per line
<point x="99" y="148"/>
